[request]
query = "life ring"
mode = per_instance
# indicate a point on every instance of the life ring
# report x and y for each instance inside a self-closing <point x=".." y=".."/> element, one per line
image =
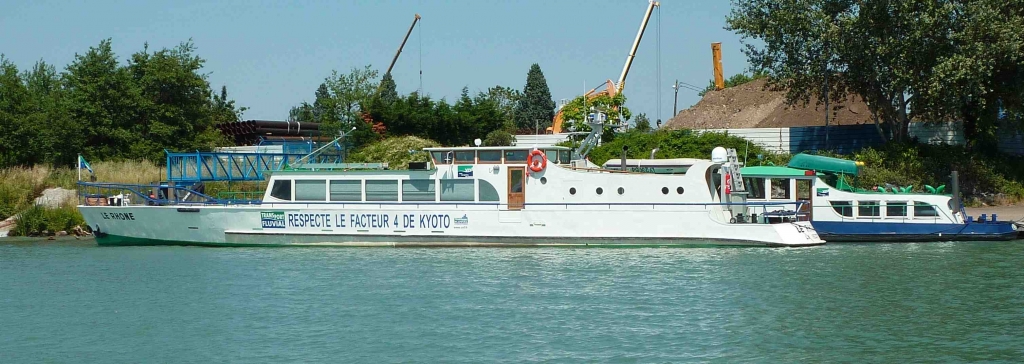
<point x="537" y="165"/>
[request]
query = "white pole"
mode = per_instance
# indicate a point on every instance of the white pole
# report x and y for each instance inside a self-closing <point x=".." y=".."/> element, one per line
<point x="78" y="165"/>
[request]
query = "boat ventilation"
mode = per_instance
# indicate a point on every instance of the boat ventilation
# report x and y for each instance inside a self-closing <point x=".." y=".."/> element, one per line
<point x="600" y="190"/>
<point x="572" y="190"/>
<point x="664" y="190"/>
<point x="622" y="190"/>
<point x="679" y="190"/>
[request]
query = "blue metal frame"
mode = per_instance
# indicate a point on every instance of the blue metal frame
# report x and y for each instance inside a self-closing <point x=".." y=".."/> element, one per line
<point x="216" y="166"/>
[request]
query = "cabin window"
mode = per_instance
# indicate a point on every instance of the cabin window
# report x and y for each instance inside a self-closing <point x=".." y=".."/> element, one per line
<point x="803" y="189"/>
<point x="444" y="157"/>
<point x="844" y="208"/>
<point x="896" y="208"/>
<point x="351" y="190"/>
<point x="552" y="156"/>
<point x="564" y="157"/>
<point x="516" y="156"/>
<point x="465" y="157"/>
<point x="418" y="190"/>
<point x="282" y="190"/>
<point x="377" y="190"/>
<point x="456" y="190"/>
<point x="310" y="190"/>
<point x="489" y="156"/>
<point x="868" y="209"/>
<point x="755" y="187"/>
<point x="923" y="209"/>
<point x="780" y="188"/>
<point x="488" y="192"/>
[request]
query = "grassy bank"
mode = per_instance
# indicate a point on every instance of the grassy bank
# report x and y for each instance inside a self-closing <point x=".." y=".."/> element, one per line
<point x="19" y="187"/>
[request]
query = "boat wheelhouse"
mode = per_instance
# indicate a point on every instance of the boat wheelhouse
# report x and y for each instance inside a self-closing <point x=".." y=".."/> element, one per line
<point x="466" y="196"/>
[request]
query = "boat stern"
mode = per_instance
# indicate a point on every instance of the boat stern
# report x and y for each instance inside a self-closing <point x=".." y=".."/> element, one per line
<point x="796" y="234"/>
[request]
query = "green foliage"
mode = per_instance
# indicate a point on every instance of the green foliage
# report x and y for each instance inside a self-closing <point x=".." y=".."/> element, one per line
<point x="37" y="219"/>
<point x="575" y="112"/>
<point x="735" y="80"/>
<point x="106" y="110"/>
<point x="397" y="152"/>
<point x="642" y="124"/>
<point x="499" y="138"/>
<point x="905" y="164"/>
<point x="951" y="58"/>
<point x="536" y="108"/>
<point x="678" y="144"/>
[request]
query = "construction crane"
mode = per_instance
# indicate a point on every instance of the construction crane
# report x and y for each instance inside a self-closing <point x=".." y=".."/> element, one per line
<point x="393" y="60"/>
<point x="613" y="88"/>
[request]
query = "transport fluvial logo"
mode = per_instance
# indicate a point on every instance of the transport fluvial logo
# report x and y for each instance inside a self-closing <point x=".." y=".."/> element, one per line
<point x="272" y="219"/>
<point x="461" y="222"/>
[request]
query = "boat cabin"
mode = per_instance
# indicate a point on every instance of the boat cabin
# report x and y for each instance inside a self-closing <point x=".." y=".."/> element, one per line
<point x="822" y="201"/>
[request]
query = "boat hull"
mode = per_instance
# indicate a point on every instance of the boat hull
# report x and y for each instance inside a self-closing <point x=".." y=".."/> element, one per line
<point x="845" y="231"/>
<point x="470" y="226"/>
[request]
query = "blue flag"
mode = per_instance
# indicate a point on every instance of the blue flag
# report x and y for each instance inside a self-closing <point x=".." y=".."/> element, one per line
<point x="83" y="164"/>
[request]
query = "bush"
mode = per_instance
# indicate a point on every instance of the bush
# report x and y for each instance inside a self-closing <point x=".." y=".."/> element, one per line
<point x="37" y="219"/>
<point x="397" y="152"/>
<point x="920" y="164"/>
<point x="680" y="144"/>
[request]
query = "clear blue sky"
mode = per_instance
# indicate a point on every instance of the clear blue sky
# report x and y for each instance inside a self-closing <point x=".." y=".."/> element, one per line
<point x="273" y="54"/>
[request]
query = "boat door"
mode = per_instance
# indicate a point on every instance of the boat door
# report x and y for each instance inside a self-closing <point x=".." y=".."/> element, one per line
<point x="805" y="194"/>
<point x="516" y="188"/>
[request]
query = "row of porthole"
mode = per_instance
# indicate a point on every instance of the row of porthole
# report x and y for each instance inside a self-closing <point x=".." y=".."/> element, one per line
<point x="664" y="190"/>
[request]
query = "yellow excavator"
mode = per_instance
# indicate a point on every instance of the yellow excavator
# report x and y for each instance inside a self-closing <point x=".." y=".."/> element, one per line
<point x="611" y="88"/>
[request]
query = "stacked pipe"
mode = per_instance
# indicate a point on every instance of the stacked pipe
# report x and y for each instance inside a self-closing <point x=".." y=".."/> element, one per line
<point x="248" y="132"/>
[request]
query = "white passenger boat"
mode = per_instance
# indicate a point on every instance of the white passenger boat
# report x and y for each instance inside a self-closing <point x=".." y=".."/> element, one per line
<point x="468" y="196"/>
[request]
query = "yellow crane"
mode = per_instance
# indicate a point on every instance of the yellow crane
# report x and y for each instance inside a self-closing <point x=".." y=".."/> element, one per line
<point x="613" y="88"/>
<point x="393" y="60"/>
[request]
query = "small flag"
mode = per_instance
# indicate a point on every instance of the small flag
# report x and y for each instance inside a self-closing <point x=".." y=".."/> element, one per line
<point x="83" y="164"/>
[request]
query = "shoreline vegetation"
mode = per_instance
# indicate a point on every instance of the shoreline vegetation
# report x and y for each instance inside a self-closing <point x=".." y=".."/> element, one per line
<point x="985" y="180"/>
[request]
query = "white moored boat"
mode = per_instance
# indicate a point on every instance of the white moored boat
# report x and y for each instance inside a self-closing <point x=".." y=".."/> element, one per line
<point x="468" y="196"/>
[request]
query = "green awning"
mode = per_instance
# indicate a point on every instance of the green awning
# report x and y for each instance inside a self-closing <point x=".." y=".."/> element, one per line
<point x="773" y="172"/>
<point x="823" y="164"/>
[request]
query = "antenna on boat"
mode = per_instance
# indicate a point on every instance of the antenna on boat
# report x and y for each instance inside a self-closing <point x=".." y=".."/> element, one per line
<point x="333" y="142"/>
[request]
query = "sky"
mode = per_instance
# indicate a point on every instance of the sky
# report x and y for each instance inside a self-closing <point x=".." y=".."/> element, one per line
<point x="273" y="55"/>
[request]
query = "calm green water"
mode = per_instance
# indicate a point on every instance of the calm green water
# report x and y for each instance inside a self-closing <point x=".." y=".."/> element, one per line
<point x="75" y="302"/>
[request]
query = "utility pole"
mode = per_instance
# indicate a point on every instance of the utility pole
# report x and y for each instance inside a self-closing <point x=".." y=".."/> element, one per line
<point x="676" y="101"/>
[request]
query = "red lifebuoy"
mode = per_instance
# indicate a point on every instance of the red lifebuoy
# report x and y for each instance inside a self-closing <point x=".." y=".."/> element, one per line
<point x="537" y="165"/>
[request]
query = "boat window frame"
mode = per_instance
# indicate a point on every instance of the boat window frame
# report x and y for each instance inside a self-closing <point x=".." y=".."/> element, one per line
<point x="323" y="189"/>
<point x="935" y="211"/>
<point x="418" y="196"/>
<point x="460" y="160"/>
<point x="501" y="157"/>
<point x="760" y="187"/>
<point x="893" y="204"/>
<point x="837" y="207"/>
<point x="443" y="154"/>
<point x="505" y="154"/>
<point x="788" y="188"/>
<point x="876" y="205"/>
<point x="291" y="190"/>
<point x="454" y="182"/>
<point x="330" y="194"/>
<point x="397" y="185"/>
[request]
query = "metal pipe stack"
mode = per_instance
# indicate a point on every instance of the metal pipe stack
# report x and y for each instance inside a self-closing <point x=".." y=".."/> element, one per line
<point x="249" y="132"/>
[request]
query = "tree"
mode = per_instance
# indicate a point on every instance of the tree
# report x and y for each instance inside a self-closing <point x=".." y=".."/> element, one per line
<point x="104" y="100"/>
<point x="16" y="133"/>
<point x="388" y="90"/>
<point x="536" y="108"/>
<point x="949" y="58"/>
<point x="643" y="124"/>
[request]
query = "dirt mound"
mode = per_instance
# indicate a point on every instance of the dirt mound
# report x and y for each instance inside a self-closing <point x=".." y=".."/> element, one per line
<point x="751" y="106"/>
